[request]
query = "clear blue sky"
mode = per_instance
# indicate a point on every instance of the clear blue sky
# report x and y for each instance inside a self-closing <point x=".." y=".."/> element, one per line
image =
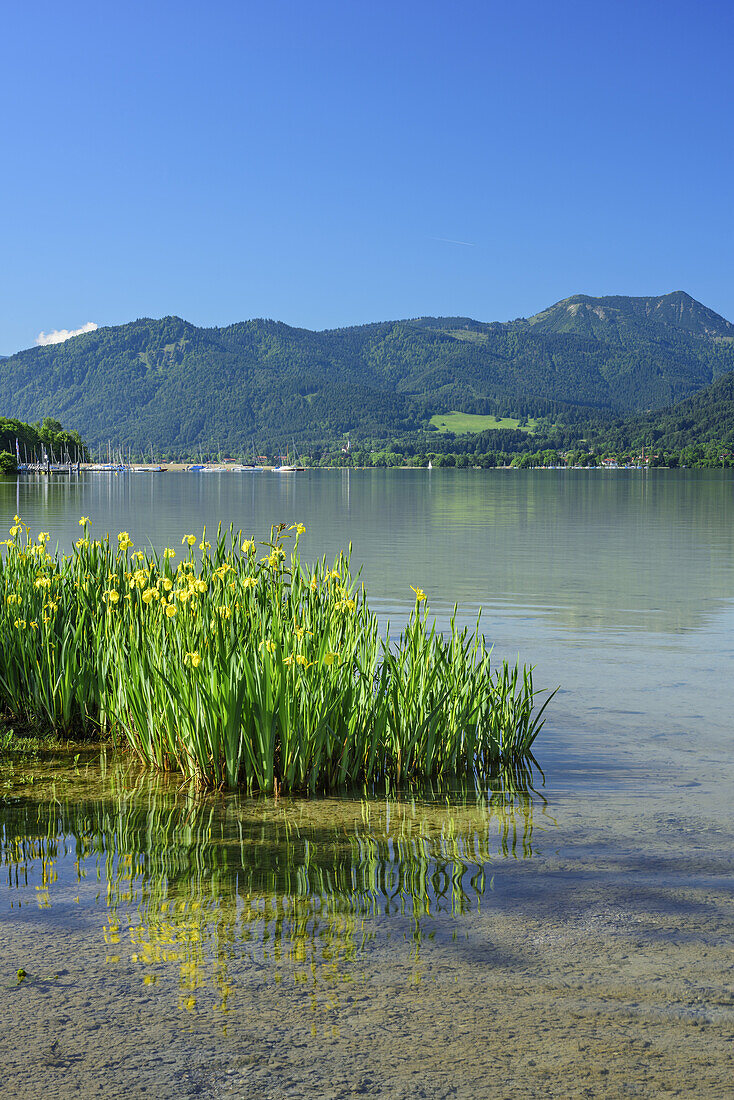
<point x="315" y="161"/>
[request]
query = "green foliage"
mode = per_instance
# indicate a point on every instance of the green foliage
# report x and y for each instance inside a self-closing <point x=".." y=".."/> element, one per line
<point x="162" y="382"/>
<point x="34" y="440"/>
<point x="8" y="463"/>
<point x="705" y="420"/>
<point x="238" y="669"/>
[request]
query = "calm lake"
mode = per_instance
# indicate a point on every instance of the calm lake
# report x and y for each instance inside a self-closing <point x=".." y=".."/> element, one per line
<point x="571" y="940"/>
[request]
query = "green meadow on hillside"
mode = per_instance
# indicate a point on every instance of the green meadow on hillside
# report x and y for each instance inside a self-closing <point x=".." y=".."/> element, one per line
<point x="463" y="423"/>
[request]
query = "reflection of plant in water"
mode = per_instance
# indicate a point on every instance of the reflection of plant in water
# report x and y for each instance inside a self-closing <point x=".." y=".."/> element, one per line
<point x="298" y="886"/>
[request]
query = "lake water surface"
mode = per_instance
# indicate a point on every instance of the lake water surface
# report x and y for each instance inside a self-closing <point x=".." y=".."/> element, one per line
<point x="570" y="940"/>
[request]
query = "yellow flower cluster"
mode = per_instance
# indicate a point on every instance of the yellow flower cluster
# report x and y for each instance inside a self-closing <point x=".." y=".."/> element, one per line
<point x="149" y="581"/>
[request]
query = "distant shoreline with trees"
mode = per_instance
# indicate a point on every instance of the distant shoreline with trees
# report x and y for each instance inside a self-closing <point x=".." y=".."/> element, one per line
<point x="546" y="446"/>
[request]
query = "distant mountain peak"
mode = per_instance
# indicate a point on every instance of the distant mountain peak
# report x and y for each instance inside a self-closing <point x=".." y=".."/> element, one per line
<point x="678" y="309"/>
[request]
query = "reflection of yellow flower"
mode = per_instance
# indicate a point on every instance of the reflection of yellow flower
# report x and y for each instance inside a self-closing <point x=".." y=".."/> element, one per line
<point x="420" y="595"/>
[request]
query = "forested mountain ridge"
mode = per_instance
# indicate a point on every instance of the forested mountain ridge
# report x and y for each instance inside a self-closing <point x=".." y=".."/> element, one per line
<point x="178" y="386"/>
<point x="707" y="417"/>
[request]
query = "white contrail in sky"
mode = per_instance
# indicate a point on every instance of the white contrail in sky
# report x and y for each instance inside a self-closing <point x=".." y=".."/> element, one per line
<point x="60" y="334"/>
<point x="449" y="240"/>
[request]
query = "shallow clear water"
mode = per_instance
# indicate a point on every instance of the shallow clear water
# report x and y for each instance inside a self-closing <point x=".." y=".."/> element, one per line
<point x="574" y="940"/>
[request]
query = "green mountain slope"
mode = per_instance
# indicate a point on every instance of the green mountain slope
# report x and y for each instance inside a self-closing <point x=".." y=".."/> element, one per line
<point x="707" y="417"/>
<point x="175" y="385"/>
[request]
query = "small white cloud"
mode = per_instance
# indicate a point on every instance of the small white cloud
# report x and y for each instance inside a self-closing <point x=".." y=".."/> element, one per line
<point x="60" y="334"/>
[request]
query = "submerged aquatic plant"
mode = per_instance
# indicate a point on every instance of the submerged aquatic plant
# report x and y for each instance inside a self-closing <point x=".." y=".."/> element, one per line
<point x="246" y="666"/>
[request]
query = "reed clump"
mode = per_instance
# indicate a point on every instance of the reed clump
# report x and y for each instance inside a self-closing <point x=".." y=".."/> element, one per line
<point x="242" y="665"/>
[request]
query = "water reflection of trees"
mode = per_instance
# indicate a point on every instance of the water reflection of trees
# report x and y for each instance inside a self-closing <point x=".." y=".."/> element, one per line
<point x="294" y="883"/>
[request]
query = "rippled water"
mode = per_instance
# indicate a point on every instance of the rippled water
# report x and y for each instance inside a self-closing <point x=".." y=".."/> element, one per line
<point x="568" y="940"/>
